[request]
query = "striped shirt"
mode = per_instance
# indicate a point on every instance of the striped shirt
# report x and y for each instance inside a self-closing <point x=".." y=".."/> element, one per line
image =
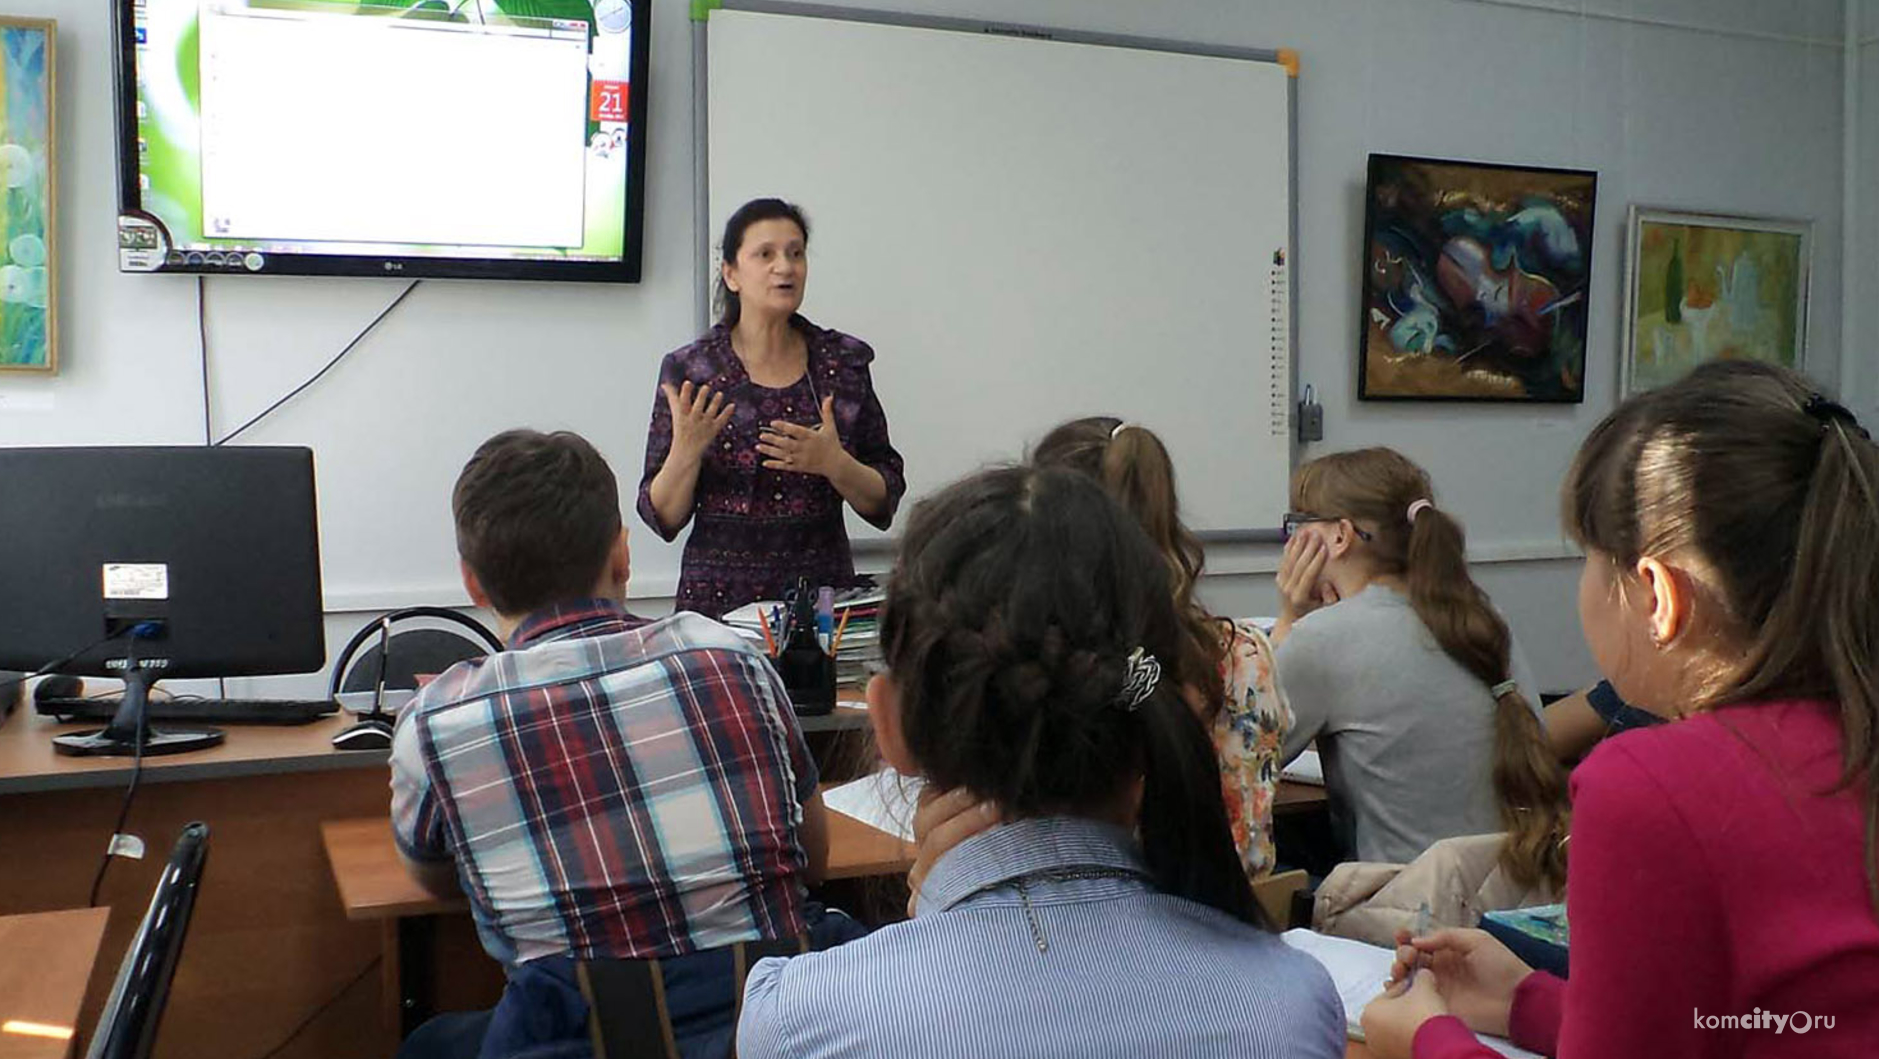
<point x="610" y="787"/>
<point x="1012" y="956"/>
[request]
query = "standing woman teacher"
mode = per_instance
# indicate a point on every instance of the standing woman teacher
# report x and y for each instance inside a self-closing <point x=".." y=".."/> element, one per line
<point x="763" y="428"/>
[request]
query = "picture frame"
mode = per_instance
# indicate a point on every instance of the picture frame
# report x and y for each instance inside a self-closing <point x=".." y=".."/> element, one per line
<point x="1476" y="281"/>
<point x="29" y="180"/>
<point x="1708" y="286"/>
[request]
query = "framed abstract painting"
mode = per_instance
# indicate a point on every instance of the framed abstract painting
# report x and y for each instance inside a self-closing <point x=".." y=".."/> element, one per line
<point x="1476" y="281"/>
<point x="1701" y="287"/>
<point x="28" y="183"/>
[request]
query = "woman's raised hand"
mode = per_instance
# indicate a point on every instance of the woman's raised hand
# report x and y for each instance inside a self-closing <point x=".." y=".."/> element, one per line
<point x="697" y="417"/>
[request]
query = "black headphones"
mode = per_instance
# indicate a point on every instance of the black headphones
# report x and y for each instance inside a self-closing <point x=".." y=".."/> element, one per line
<point x="382" y="627"/>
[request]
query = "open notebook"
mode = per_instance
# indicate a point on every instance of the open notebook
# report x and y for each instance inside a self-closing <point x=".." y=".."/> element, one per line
<point x="1359" y="970"/>
<point x="885" y="800"/>
<point x="1305" y="768"/>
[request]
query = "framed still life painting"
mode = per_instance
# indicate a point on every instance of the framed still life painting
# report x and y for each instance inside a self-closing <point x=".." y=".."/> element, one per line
<point x="1476" y="279"/>
<point x="1702" y="287"/>
<point x="28" y="178"/>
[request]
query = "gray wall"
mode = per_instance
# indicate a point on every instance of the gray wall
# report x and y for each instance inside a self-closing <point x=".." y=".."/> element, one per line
<point x="1721" y="105"/>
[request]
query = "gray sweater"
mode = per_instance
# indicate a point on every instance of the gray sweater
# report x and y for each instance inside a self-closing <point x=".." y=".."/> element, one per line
<point x="1405" y="733"/>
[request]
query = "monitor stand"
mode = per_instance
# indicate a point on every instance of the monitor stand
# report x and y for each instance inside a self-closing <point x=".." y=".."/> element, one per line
<point x="121" y="737"/>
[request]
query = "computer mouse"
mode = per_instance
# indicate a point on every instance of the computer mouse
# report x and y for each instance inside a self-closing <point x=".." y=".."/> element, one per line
<point x="59" y="686"/>
<point x="366" y="735"/>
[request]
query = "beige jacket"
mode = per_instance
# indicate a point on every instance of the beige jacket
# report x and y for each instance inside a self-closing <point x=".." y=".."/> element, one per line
<point x="1458" y="878"/>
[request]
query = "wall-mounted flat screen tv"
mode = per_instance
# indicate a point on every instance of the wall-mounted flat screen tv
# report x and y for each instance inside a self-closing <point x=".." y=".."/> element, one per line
<point x="500" y="139"/>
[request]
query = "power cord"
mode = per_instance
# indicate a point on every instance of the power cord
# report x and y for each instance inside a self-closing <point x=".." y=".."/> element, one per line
<point x="295" y="1033"/>
<point x="53" y="667"/>
<point x="136" y="768"/>
<point x="202" y="346"/>
<point x="318" y="375"/>
<point x="208" y="424"/>
<point x="123" y="811"/>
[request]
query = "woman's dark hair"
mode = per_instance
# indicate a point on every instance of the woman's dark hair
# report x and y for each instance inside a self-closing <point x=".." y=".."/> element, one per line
<point x="1376" y="487"/>
<point x="1016" y="600"/>
<point x="1776" y="491"/>
<point x="1134" y="466"/>
<point x="748" y="214"/>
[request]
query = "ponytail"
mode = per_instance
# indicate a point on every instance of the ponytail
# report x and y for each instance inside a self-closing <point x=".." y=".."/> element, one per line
<point x="1826" y="622"/>
<point x="1528" y="779"/>
<point x="1187" y="840"/>
<point x="1428" y="547"/>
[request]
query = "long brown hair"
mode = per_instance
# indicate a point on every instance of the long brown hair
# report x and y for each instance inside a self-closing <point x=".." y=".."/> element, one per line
<point x="1134" y="466"/>
<point x="1375" y="488"/>
<point x="1776" y="489"/>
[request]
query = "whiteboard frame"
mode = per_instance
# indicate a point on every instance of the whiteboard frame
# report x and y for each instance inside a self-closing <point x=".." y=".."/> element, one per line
<point x="701" y="167"/>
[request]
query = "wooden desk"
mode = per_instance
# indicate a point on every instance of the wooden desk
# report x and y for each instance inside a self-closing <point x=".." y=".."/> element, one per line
<point x="45" y="963"/>
<point x="373" y="886"/>
<point x="373" y="883"/>
<point x="268" y="942"/>
<point x="1293" y="797"/>
<point x="850" y="715"/>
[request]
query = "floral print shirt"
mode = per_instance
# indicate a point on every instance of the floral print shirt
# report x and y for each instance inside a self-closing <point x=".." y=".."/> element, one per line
<point x="1248" y="733"/>
<point x="756" y="530"/>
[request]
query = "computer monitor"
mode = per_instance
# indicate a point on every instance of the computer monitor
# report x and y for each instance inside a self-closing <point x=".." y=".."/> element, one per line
<point x="148" y="563"/>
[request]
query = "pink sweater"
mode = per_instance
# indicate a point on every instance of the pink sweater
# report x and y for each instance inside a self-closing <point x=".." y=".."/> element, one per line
<point x="1713" y="874"/>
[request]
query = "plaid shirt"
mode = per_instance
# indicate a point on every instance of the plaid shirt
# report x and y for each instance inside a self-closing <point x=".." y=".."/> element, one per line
<point x="610" y="787"/>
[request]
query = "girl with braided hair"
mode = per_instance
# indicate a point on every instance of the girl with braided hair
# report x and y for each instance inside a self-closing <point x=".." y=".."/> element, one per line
<point x="1028" y="631"/>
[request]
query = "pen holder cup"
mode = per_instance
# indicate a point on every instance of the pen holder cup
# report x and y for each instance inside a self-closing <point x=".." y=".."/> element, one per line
<point x="809" y="675"/>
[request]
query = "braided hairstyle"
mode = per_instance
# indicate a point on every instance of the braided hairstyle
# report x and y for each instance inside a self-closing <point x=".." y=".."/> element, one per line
<point x="1017" y="598"/>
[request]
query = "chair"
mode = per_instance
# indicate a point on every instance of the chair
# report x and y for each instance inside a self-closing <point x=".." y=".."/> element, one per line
<point x="626" y="1002"/>
<point x="128" y="1025"/>
<point x="1275" y="894"/>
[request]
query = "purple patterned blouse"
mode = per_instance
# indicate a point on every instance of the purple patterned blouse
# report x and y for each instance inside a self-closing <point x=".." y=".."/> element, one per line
<point x="756" y="530"/>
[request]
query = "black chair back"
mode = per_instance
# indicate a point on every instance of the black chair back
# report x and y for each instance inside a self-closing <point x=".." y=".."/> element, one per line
<point x="128" y="1026"/>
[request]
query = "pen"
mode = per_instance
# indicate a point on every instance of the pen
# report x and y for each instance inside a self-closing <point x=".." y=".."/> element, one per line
<point x="1423" y="917"/>
<point x="769" y="643"/>
<point x="839" y="629"/>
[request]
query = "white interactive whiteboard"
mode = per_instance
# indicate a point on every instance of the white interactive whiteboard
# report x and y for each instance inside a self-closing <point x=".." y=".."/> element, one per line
<point x="1028" y="226"/>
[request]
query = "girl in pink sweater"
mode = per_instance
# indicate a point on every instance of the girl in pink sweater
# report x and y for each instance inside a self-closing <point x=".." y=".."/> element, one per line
<point x="1723" y="887"/>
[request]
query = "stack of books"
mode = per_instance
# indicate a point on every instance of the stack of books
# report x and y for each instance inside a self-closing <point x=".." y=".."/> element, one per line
<point x="858" y="649"/>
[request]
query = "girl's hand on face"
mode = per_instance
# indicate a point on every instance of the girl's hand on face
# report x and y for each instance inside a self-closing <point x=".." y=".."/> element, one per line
<point x="1302" y="588"/>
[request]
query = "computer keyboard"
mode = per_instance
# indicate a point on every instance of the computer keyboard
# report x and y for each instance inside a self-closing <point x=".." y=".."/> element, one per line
<point x="197" y="711"/>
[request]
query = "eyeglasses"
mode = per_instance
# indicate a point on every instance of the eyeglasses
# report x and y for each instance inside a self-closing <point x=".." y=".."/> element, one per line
<point x="1297" y="520"/>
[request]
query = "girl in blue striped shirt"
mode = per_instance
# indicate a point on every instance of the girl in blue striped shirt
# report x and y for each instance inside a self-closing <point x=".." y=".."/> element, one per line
<point x="1024" y="628"/>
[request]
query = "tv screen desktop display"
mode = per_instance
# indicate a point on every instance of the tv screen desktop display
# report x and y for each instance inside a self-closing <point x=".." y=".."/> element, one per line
<point x="470" y="138"/>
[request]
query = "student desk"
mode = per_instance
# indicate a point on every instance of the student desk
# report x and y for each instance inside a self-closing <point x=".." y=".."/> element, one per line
<point x="1293" y="798"/>
<point x="268" y="942"/>
<point x="45" y="963"/>
<point x="421" y="930"/>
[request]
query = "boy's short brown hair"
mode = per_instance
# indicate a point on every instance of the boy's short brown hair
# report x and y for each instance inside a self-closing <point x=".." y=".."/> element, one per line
<point x="536" y="517"/>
